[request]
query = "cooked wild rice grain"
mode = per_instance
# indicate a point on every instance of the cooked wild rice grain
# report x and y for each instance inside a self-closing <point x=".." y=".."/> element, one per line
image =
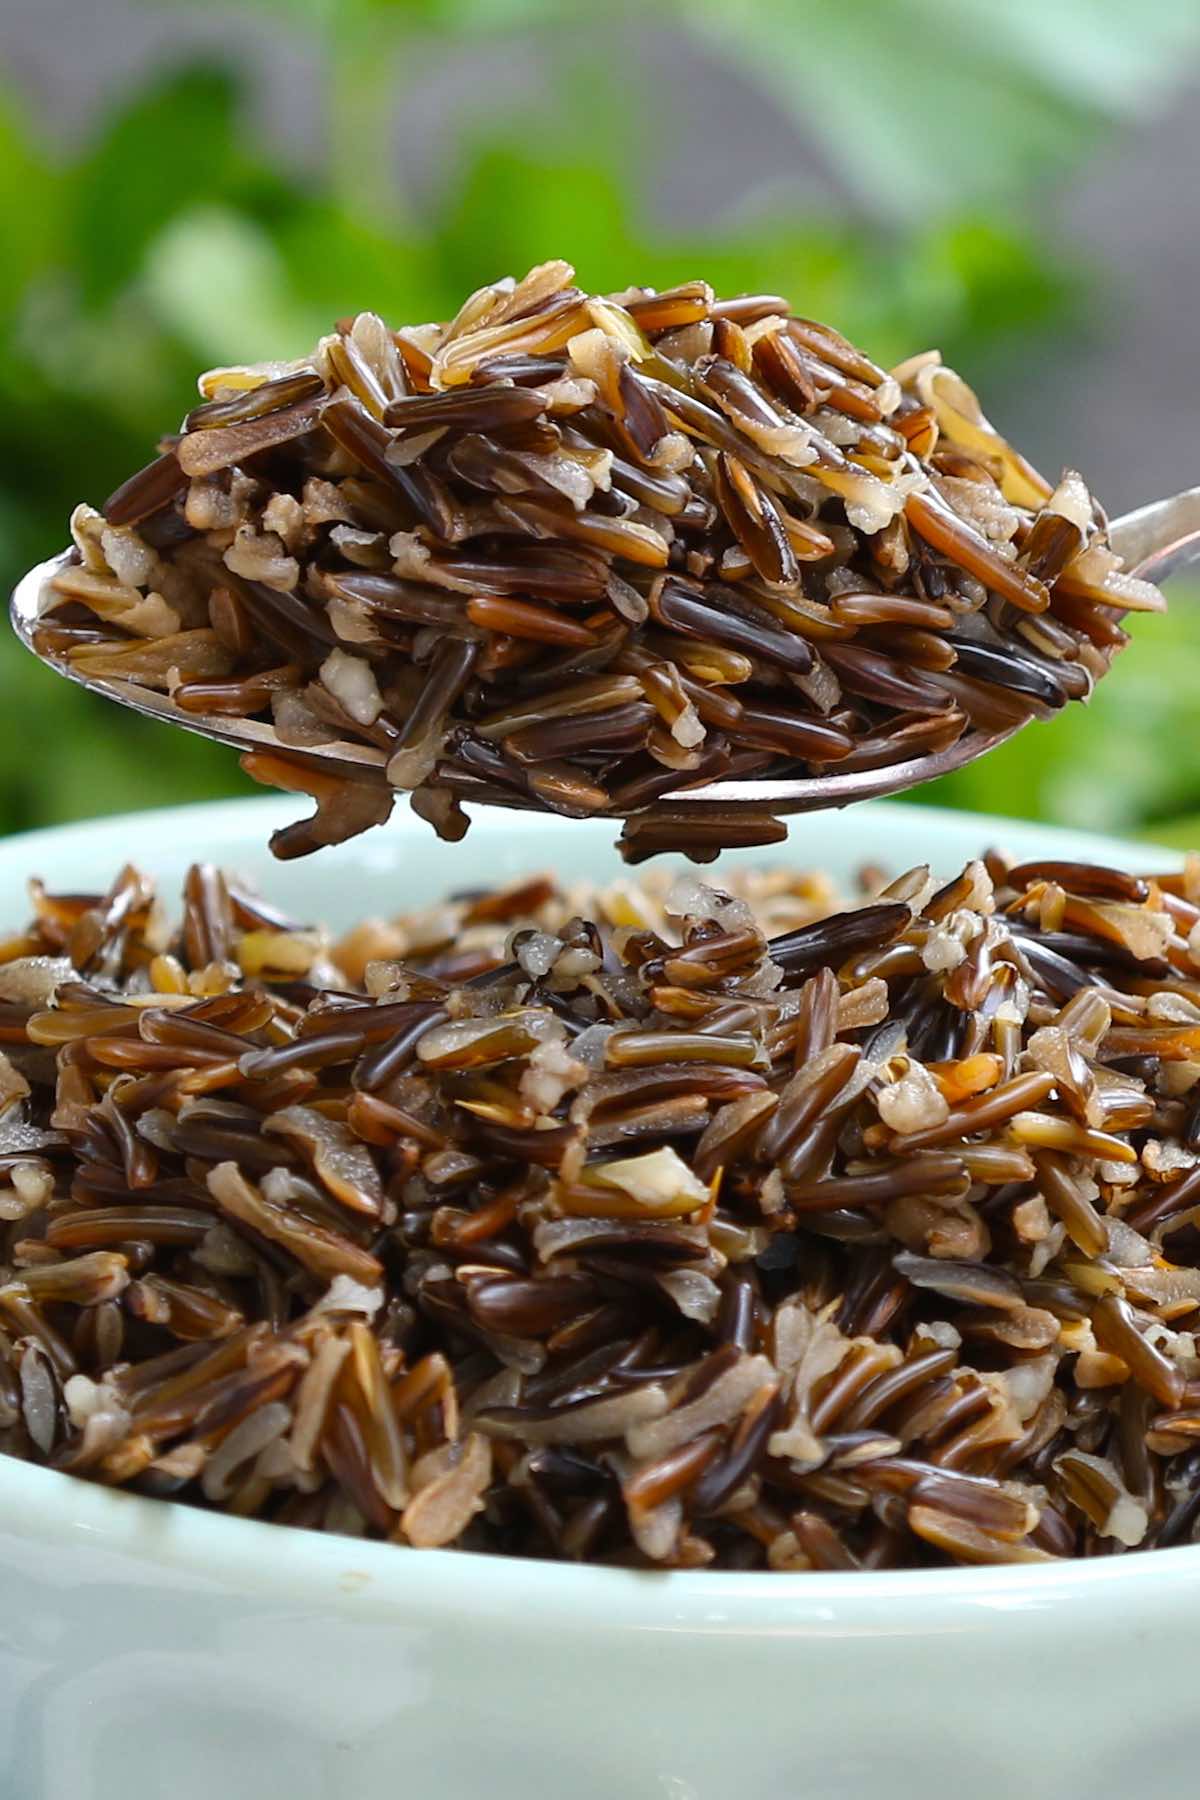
<point x="581" y="553"/>
<point x="637" y="1224"/>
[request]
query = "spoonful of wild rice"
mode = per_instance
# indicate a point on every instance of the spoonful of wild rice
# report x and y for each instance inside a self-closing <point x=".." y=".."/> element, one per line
<point x="694" y="563"/>
<point x="651" y="1226"/>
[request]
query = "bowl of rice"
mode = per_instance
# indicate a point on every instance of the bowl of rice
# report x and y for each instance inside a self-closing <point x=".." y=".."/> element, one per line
<point x="527" y="1325"/>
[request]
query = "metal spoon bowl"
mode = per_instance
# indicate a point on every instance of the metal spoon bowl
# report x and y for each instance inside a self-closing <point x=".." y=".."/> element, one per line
<point x="1153" y="542"/>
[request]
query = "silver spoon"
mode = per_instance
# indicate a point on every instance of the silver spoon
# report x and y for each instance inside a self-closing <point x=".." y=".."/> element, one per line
<point x="1153" y="542"/>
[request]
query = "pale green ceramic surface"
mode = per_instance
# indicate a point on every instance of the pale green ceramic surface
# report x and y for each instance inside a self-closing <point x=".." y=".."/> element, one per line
<point x="148" y="1650"/>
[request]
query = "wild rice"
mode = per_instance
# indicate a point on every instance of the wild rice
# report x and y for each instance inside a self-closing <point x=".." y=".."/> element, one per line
<point x="584" y="553"/>
<point x="642" y="1241"/>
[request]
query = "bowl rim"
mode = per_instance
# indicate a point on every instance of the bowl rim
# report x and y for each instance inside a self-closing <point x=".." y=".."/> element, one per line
<point x="45" y="1508"/>
<point x="249" y="819"/>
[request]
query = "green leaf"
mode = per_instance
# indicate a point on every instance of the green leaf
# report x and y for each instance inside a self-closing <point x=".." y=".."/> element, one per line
<point x="515" y="209"/>
<point x="31" y="196"/>
<point x="344" y="264"/>
<point x="982" y="282"/>
<point x="170" y="149"/>
<point x="1180" y="834"/>
<point x="215" y="280"/>
<point x="1116" y="57"/>
<point x="923" y="103"/>
<point x="511" y="213"/>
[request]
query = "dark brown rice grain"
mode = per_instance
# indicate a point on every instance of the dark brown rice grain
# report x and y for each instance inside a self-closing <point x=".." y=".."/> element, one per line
<point x="624" y="1239"/>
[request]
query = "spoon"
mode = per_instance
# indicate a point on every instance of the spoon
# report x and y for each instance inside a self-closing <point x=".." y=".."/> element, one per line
<point x="1153" y="542"/>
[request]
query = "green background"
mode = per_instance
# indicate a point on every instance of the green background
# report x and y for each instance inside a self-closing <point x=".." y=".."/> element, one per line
<point x="168" y="237"/>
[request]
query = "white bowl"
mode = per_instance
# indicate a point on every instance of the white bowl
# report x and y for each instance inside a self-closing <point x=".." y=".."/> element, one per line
<point x="152" y="1650"/>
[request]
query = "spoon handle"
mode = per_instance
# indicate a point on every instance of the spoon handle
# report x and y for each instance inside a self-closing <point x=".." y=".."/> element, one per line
<point x="1159" y="539"/>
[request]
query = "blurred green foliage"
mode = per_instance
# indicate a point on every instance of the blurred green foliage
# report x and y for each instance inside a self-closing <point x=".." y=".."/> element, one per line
<point x="171" y="240"/>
